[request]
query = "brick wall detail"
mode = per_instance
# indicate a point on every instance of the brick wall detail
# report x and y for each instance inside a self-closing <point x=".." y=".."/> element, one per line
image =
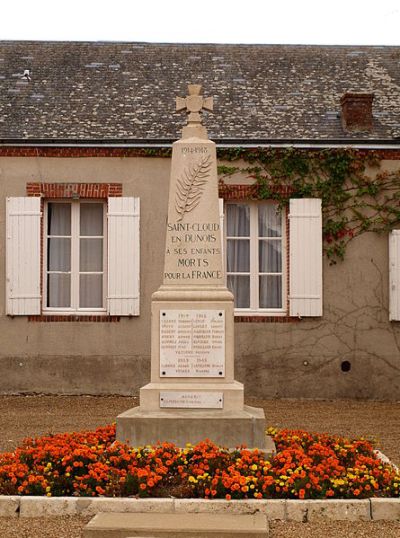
<point x="357" y="112"/>
<point x="266" y="319"/>
<point x="245" y="192"/>
<point x="74" y="317"/>
<point x="74" y="190"/>
<point x="67" y="152"/>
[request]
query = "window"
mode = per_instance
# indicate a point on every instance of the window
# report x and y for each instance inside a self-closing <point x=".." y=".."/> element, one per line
<point x="75" y="251"/>
<point x="254" y="256"/>
<point x="68" y="256"/>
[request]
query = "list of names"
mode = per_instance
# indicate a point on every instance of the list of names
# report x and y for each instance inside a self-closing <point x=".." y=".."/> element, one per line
<point x="192" y="343"/>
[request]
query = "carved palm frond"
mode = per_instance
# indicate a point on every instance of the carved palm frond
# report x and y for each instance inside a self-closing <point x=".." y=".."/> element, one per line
<point x="190" y="186"/>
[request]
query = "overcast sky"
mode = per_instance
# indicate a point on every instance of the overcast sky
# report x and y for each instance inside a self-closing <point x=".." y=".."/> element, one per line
<point x="355" y="22"/>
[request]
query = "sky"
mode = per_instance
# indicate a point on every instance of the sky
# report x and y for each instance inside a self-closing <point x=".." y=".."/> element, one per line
<point x="321" y="22"/>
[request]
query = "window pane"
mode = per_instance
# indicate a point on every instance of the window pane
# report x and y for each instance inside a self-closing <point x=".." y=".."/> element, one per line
<point x="91" y="255"/>
<point x="269" y="221"/>
<point x="271" y="291"/>
<point x="238" y="256"/>
<point x="91" y="219"/>
<point x="91" y="291"/>
<point x="59" y="254"/>
<point x="270" y="256"/>
<point x="59" y="290"/>
<point x="58" y="219"/>
<point x="240" y="287"/>
<point x="238" y="220"/>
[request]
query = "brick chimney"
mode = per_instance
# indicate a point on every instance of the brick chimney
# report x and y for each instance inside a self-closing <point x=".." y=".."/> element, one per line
<point x="356" y="112"/>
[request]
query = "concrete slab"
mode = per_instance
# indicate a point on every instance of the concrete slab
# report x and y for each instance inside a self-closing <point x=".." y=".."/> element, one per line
<point x="385" y="509"/>
<point x="175" y="525"/>
<point x="274" y="509"/>
<point x="33" y="506"/>
<point x="333" y="509"/>
<point x="9" y="505"/>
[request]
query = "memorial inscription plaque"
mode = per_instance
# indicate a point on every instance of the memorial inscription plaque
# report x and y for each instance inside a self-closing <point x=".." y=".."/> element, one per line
<point x="192" y="343"/>
<point x="192" y="400"/>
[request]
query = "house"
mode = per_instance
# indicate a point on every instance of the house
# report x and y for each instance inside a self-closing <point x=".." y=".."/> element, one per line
<point x="85" y="137"/>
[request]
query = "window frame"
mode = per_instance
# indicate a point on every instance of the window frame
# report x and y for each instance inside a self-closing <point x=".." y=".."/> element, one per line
<point x="254" y="309"/>
<point x="75" y="240"/>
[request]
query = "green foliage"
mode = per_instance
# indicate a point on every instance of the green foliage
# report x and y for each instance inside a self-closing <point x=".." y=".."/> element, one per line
<point x="227" y="170"/>
<point x="353" y="201"/>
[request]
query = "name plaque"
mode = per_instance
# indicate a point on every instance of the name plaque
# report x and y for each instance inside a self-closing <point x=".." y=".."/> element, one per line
<point x="199" y="400"/>
<point x="192" y="343"/>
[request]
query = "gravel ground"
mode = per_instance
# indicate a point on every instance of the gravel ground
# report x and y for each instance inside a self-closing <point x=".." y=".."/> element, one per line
<point x="71" y="527"/>
<point x="26" y="416"/>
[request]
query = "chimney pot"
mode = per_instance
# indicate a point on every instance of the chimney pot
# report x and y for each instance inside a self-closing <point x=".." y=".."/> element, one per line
<point x="356" y="112"/>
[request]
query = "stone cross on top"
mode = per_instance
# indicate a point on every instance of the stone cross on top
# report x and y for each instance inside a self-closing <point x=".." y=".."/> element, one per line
<point x="194" y="103"/>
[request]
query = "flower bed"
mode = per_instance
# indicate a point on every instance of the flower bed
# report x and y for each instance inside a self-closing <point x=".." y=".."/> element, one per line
<point x="92" y="463"/>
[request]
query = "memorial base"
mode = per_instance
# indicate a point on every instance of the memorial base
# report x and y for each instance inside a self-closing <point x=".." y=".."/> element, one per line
<point x="139" y="427"/>
<point x="231" y="395"/>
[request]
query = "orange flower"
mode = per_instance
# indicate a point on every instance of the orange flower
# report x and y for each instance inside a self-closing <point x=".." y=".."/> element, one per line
<point x="92" y="463"/>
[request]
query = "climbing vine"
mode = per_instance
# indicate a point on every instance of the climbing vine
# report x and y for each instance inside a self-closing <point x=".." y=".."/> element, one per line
<point x="357" y="195"/>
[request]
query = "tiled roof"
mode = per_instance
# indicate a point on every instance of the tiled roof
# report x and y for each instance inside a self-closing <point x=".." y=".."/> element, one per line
<point x="113" y="91"/>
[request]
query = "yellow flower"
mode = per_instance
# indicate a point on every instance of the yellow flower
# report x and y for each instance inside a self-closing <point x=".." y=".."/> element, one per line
<point x="254" y="467"/>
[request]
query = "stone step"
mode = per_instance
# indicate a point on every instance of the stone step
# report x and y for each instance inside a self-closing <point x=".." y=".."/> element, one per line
<point x="159" y="525"/>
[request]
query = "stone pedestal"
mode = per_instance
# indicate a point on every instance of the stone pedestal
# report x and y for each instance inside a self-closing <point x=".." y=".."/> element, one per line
<point x="192" y="394"/>
<point x="181" y="426"/>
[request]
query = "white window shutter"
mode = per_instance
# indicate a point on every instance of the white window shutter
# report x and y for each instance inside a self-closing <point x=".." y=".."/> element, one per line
<point x="305" y="257"/>
<point x="23" y="256"/>
<point x="394" y="275"/>
<point x="123" y="256"/>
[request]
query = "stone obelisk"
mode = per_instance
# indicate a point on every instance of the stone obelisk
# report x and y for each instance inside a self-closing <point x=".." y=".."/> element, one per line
<point x="193" y="394"/>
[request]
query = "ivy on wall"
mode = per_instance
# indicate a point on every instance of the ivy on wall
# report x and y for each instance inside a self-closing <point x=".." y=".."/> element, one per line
<point x="357" y="195"/>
